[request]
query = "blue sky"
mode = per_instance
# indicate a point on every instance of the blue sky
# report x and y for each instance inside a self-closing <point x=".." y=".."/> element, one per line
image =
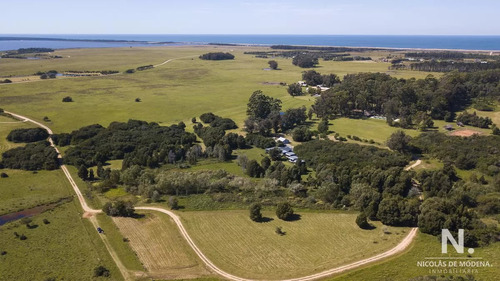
<point x="386" y="17"/>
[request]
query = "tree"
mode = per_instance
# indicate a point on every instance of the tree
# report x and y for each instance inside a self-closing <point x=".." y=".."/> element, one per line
<point x="91" y="175"/>
<point x="137" y="99"/>
<point x="273" y="64"/>
<point x="301" y="134"/>
<point x="265" y="163"/>
<point x="361" y="221"/>
<point x="399" y="141"/>
<point x="260" y="106"/>
<point x="295" y="90"/>
<point x="173" y="203"/>
<point x="275" y="154"/>
<point x="67" y="99"/>
<point x="323" y="126"/>
<point x="304" y="61"/>
<point x="330" y="80"/>
<point x="254" y="170"/>
<point x="312" y="78"/>
<point x="193" y="120"/>
<point x="284" y="211"/>
<point x="83" y="173"/>
<point x="255" y="213"/>
<point x="3" y="175"/>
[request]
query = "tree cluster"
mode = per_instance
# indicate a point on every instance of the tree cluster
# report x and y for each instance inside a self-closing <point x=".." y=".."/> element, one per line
<point x="410" y="100"/>
<point x="217" y="56"/>
<point x="32" y="157"/>
<point x="27" y="135"/>
<point x="119" y="208"/>
<point x="305" y="61"/>
<point x="472" y="119"/>
<point x="136" y="142"/>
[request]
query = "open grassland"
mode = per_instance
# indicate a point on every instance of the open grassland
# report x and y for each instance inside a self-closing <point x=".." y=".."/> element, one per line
<point x="315" y="242"/>
<point x="7" y="125"/>
<point x="404" y="266"/>
<point x="176" y="91"/>
<point x="370" y="129"/>
<point x="24" y="189"/>
<point x="159" y="245"/>
<point x="68" y="248"/>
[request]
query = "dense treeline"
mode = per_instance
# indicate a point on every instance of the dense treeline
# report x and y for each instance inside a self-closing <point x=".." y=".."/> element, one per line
<point x="447" y="55"/>
<point x="217" y="56"/>
<point x="317" y="48"/>
<point x="34" y="50"/>
<point x="448" y="66"/>
<point x="481" y="152"/>
<point x="137" y="142"/>
<point x="32" y="157"/>
<point x="27" y="135"/>
<point x="410" y="100"/>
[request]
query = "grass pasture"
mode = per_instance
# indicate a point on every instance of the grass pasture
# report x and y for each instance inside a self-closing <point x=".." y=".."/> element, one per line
<point x="404" y="266"/>
<point x="160" y="247"/>
<point x="68" y="248"/>
<point x="174" y="92"/>
<point x="24" y="189"/>
<point x="315" y="242"/>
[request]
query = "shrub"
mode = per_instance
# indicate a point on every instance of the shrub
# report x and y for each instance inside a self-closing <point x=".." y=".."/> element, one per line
<point x="101" y="271"/>
<point x="130" y="71"/>
<point x="284" y="211"/>
<point x="279" y="231"/>
<point x="23" y="237"/>
<point x="67" y="99"/>
<point x="4" y="175"/>
<point x="46" y="221"/>
<point x="255" y="213"/>
<point x="137" y="99"/>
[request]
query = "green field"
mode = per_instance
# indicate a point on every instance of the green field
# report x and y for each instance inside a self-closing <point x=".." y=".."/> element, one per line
<point x="66" y="249"/>
<point x="404" y="266"/>
<point x="7" y="125"/>
<point x="24" y="189"/>
<point x="174" y="92"/>
<point x="315" y="242"/>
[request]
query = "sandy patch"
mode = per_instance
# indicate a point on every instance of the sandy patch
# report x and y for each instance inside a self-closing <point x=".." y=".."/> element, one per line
<point x="465" y="133"/>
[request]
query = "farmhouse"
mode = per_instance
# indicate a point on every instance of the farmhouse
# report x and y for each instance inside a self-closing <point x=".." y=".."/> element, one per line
<point x="283" y="140"/>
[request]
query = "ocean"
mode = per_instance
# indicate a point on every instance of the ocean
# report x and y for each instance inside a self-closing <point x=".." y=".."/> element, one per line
<point x="382" y="41"/>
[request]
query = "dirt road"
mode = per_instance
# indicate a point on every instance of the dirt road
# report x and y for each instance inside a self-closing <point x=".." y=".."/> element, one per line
<point x="413" y="165"/>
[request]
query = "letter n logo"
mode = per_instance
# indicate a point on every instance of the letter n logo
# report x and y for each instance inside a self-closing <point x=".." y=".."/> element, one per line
<point x="446" y="236"/>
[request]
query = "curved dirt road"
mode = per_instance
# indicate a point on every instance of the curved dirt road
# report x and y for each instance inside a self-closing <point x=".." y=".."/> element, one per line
<point x="399" y="248"/>
<point x="403" y="245"/>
